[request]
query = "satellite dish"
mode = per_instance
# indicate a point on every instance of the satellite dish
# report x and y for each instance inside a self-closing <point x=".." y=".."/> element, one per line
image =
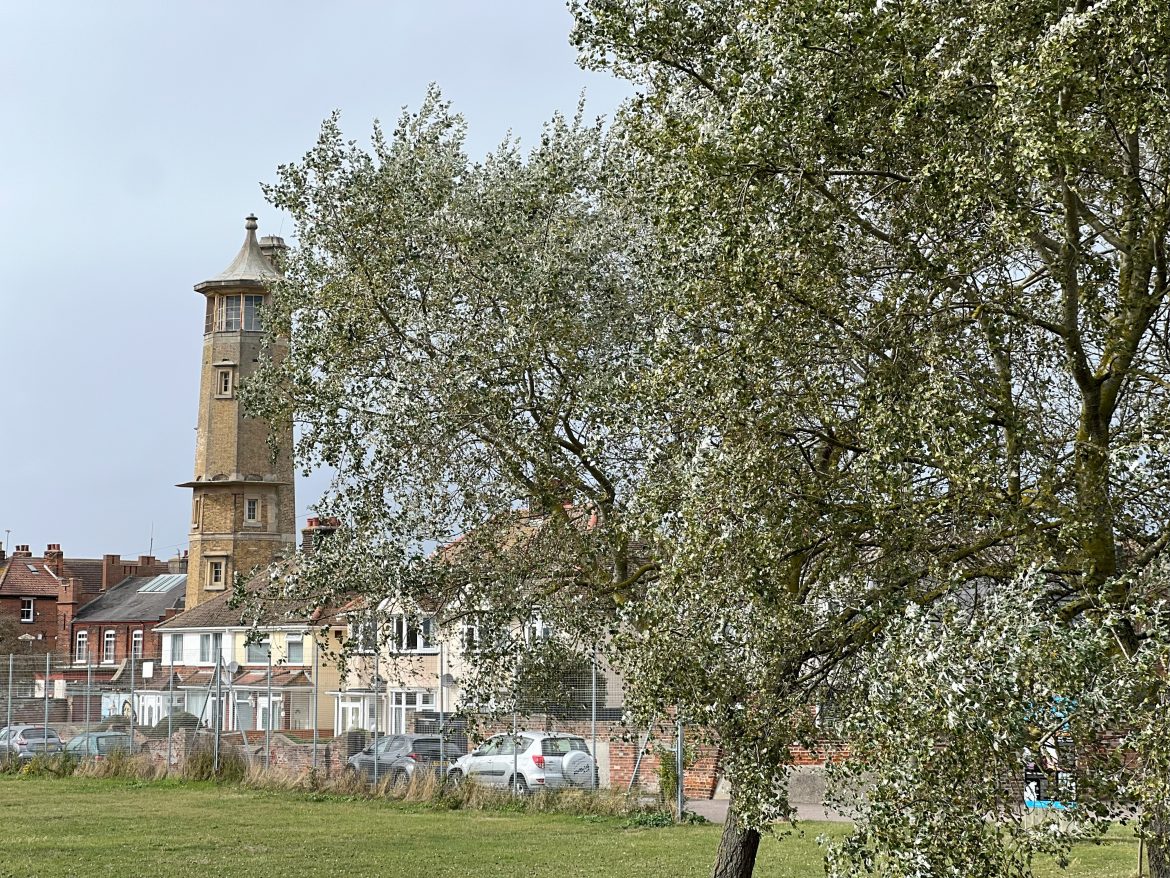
<point x="233" y="667"/>
<point x="448" y="680"/>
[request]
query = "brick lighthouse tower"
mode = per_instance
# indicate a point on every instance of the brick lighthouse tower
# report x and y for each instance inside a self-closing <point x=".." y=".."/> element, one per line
<point x="242" y="510"/>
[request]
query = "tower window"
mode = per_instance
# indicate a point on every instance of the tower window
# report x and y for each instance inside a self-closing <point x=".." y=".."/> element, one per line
<point x="252" y="510"/>
<point x="227" y="313"/>
<point x="223" y="383"/>
<point x="252" y="305"/>
<point x="238" y="312"/>
<point x="215" y="574"/>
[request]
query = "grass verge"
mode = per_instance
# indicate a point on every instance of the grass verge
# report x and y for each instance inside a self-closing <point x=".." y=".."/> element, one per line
<point x="60" y="827"/>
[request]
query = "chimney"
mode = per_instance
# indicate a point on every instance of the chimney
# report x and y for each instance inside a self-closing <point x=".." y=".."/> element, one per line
<point x="3" y="554"/>
<point x="273" y="248"/>
<point x="55" y="559"/>
<point x="178" y="564"/>
<point x="22" y="552"/>
<point x="111" y="571"/>
<point x="316" y="530"/>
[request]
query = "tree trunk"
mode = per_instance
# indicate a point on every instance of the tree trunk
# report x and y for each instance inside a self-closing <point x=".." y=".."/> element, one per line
<point x="1158" y="849"/>
<point x="737" y="848"/>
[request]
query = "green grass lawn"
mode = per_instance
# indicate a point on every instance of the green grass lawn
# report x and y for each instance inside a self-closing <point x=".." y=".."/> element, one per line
<point x="53" y="828"/>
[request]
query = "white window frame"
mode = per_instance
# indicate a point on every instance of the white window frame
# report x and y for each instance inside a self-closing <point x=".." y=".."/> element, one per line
<point x="405" y="628"/>
<point x="109" y="646"/>
<point x="206" y="649"/>
<point x="252" y="505"/>
<point x="265" y="642"/>
<point x="176" y="649"/>
<point x="215" y="565"/>
<point x="363" y="634"/>
<point x="299" y="640"/>
<point x="81" y="647"/>
<point x="224" y="383"/>
<point x="136" y="643"/>
<point x="28" y="610"/>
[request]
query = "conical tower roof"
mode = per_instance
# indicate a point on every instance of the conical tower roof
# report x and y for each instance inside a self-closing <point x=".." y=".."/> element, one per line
<point x="250" y="268"/>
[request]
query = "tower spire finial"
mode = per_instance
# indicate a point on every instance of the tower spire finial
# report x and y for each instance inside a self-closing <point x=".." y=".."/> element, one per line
<point x="250" y="222"/>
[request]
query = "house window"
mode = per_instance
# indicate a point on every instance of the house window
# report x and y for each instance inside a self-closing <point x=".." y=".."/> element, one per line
<point x="412" y="634"/>
<point x="364" y="634"/>
<point x="81" y="647"/>
<point x="27" y="610"/>
<point x="215" y="574"/>
<point x="469" y="638"/>
<point x="258" y="652"/>
<point x="294" y="649"/>
<point x="108" y="646"/>
<point x="536" y="630"/>
<point x="252" y="510"/>
<point x="223" y="383"/>
<point x="136" y="644"/>
<point x="403" y="704"/>
<point x="205" y="649"/>
<point x="176" y="649"/>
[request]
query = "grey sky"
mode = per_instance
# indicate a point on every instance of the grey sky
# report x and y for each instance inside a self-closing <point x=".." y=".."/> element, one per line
<point x="135" y="136"/>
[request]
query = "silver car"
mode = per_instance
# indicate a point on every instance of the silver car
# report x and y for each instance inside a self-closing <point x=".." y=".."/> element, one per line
<point x="26" y="741"/>
<point x="529" y="761"/>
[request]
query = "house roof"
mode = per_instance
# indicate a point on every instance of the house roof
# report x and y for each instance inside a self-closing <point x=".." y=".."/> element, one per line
<point x="32" y="577"/>
<point x="259" y="607"/>
<point x="137" y="598"/>
<point x="282" y="678"/>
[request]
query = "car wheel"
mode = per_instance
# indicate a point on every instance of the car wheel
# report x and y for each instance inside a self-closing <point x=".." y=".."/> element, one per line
<point x="455" y="778"/>
<point x="399" y="780"/>
<point x="521" y="785"/>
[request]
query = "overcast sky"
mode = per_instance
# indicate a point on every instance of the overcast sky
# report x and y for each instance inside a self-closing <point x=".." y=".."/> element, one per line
<point x="134" y="140"/>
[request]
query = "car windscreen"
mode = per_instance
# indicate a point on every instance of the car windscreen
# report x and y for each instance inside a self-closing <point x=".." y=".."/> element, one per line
<point x="561" y="746"/>
<point x="38" y="734"/>
<point x="428" y="747"/>
<point x="110" y="743"/>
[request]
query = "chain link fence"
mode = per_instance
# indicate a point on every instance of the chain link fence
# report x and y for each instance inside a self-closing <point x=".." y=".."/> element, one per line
<point x="291" y="720"/>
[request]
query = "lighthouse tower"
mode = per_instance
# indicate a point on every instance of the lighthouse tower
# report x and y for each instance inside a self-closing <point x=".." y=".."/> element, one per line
<point x="242" y="509"/>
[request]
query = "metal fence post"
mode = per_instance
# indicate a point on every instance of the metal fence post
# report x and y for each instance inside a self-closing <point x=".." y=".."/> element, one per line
<point x="375" y="742"/>
<point x="268" y="716"/>
<point x="48" y="659"/>
<point x="515" y="754"/>
<point x="593" y="781"/>
<point x="442" y="718"/>
<point x="133" y="712"/>
<point x="679" y="770"/>
<point x="218" y="703"/>
<point x="316" y="694"/>
<point x="170" y="707"/>
<point x="10" y="661"/>
<point x="88" y="686"/>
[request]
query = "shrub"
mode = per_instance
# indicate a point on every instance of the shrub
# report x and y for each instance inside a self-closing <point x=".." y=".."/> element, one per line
<point x="200" y="764"/>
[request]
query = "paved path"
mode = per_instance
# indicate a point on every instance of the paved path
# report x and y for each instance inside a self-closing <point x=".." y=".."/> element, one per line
<point x="715" y="810"/>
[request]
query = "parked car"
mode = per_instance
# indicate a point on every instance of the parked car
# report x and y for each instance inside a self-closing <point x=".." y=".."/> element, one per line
<point x="98" y="745"/>
<point x="27" y="741"/>
<point x="398" y="757"/>
<point x="542" y="760"/>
